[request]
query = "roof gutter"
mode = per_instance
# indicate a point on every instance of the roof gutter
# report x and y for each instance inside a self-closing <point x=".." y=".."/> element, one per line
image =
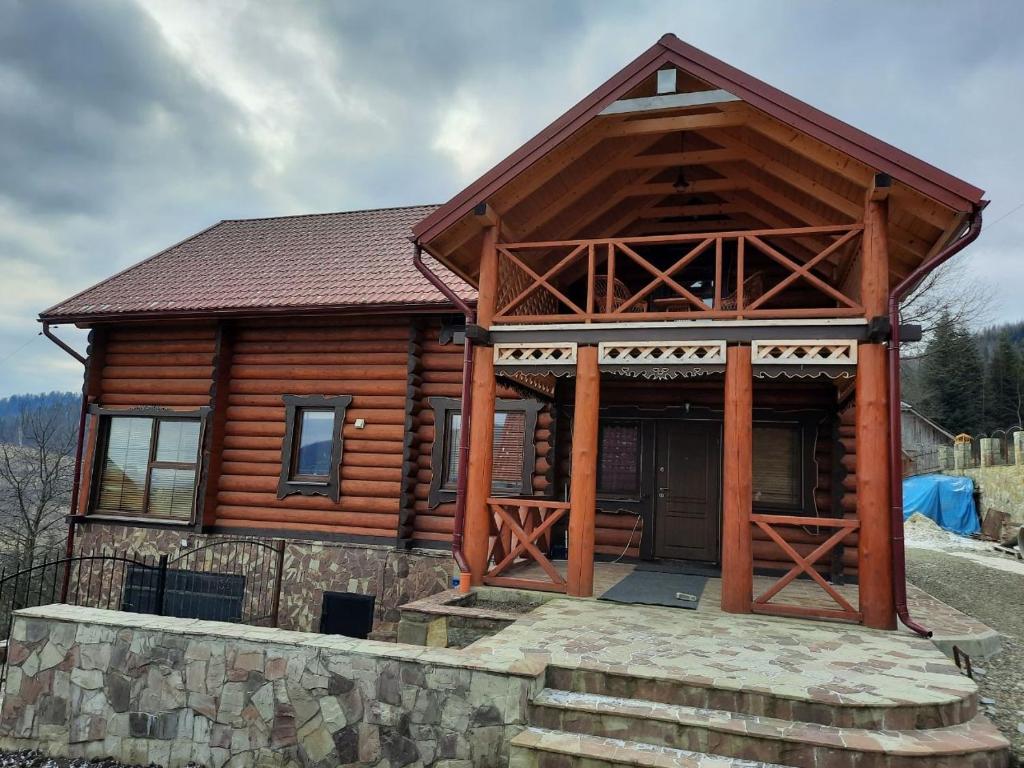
<point x="459" y="524"/>
<point x="76" y="481"/>
<point x="899" y="556"/>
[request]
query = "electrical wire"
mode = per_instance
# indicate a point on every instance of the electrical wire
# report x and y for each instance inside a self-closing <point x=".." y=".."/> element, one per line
<point x="625" y="549"/>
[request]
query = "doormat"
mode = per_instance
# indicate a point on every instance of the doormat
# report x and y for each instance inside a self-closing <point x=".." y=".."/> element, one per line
<point x="690" y="569"/>
<point x="674" y="590"/>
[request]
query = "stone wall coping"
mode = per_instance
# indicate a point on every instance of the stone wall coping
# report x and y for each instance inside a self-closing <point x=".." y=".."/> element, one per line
<point x="446" y="657"/>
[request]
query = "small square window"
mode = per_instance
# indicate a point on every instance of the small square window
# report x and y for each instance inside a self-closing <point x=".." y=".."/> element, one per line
<point x="312" y="447"/>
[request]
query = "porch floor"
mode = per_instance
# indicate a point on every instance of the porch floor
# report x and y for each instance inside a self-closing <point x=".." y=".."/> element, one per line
<point x="950" y="626"/>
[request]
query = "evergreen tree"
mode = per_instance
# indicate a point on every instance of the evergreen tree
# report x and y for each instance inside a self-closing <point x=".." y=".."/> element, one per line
<point x="953" y="379"/>
<point x="1003" y="386"/>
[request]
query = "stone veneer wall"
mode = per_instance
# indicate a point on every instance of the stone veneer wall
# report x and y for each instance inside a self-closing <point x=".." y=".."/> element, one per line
<point x="86" y="682"/>
<point x="310" y="568"/>
<point x="1002" y="488"/>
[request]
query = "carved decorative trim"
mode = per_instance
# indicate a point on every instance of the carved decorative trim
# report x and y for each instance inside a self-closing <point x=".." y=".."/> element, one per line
<point x="804" y="351"/>
<point x="536" y="354"/>
<point x="662" y="372"/>
<point x="809" y="371"/>
<point x="661" y="353"/>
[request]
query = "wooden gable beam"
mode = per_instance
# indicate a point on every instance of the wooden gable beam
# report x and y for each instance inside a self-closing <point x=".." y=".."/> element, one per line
<point x="582" y="186"/>
<point x="917" y="205"/>
<point x="670" y="101"/>
<point x="677" y="159"/>
<point x="726" y="119"/>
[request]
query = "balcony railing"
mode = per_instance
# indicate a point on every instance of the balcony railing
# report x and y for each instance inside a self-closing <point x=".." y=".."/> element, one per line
<point x="713" y="278"/>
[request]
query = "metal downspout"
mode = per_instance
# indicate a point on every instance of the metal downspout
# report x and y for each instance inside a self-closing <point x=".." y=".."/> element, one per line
<point x="459" y="524"/>
<point x="76" y="480"/>
<point x="899" y="558"/>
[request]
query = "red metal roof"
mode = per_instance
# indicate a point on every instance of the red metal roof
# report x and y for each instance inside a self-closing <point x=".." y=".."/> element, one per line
<point x="670" y="50"/>
<point x="321" y="261"/>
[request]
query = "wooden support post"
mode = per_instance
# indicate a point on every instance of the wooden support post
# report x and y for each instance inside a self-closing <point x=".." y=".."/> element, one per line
<point x="481" y="419"/>
<point x="874" y="554"/>
<point x="737" y="483"/>
<point x="583" y="484"/>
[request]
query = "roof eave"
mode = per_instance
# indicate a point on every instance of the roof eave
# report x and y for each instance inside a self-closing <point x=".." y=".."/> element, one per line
<point x="90" y="318"/>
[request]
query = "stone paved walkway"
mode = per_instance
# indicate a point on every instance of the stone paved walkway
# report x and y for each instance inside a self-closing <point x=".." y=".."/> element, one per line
<point x="795" y="659"/>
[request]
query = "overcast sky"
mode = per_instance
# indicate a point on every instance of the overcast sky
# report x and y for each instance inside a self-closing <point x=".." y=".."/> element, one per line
<point x="126" y="126"/>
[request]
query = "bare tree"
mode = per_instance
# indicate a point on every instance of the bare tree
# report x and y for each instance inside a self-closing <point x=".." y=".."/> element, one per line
<point x="35" y="481"/>
<point x="950" y="289"/>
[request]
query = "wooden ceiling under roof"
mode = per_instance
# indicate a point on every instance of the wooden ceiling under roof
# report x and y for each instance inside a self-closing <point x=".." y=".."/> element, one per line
<point x="616" y="175"/>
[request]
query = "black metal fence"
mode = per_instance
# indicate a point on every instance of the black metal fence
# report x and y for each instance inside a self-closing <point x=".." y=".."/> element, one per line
<point x="234" y="580"/>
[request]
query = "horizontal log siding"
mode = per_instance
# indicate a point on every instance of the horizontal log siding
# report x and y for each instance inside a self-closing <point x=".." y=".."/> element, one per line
<point x="330" y="357"/>
<point x="165" y="366"/>
<point x="442" y="377"/>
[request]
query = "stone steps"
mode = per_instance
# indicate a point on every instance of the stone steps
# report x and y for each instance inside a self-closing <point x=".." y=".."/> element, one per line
<point x="541" y="748"/>
<point x="825" y="707"/>
<point x="975" y="744"/>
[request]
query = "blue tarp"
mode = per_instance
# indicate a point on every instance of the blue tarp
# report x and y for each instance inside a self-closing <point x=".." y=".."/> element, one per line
<point x="949" y="501"/>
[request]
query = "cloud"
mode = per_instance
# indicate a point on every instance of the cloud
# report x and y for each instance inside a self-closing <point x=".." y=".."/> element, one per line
<point x="128" y="125"/>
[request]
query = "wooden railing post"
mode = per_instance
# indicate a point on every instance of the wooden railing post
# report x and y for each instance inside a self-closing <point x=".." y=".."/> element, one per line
<point x="481" y="419"/>
<point x="737" y="485"/>
<point x="874" y="552"/>
<point x="583" y="484"/>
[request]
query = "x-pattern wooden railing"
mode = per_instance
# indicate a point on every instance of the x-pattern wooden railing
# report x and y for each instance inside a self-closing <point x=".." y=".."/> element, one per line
<point x="521" y="533"/>
<point x="805" y="565"/>
<point x="603" y="257"/>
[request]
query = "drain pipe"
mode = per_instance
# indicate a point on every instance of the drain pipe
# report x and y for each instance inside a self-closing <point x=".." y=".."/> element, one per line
<point x="459" y="524"/>
<point x="69" y="547"/>
<point x="899" y="558"/>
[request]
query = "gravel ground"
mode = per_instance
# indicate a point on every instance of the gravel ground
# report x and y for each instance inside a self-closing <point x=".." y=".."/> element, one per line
<point x="995" y="597"/>
<point x="33" y="759"/>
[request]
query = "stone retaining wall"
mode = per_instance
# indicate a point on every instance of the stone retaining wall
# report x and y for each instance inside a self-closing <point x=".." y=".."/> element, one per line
<point x="85" y="682"/>
<point x="1001" y="487"/>
<point x="394" y="576"/>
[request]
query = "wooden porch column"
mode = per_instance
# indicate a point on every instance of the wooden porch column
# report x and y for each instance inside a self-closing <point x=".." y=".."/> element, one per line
<point x="737" y="482"/>
<point x="481" y="419"/>
<point x="583" y="484"/>
<point x="874" y="553"/>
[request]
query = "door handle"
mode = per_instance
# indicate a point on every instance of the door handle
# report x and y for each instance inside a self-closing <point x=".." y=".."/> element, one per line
<point x="662" y="492"/>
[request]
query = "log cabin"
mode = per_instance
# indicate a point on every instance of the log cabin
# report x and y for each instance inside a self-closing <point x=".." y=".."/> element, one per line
<point x="672" y="316"/>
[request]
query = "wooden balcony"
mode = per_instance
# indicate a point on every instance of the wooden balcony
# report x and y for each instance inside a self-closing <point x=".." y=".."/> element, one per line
<point x="746" y="274"/>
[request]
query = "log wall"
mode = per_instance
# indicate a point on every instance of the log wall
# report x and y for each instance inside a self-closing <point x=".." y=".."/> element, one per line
<point x="330" y="357"/>
<point x="165" y="366"/>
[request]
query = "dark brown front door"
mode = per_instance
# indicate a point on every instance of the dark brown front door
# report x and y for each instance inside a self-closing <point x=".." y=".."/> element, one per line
<point x="686" y="501"/>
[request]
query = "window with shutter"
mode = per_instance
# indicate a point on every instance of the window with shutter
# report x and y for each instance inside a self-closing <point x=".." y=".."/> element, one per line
<point x="148" y="467"/>
<point x="777" y="466"/>
<point x="618" y="459"/>
<point x="513" y="449"/>
<point x="508" y="450"/>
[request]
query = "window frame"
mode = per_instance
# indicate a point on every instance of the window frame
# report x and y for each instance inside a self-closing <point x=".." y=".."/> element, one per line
<point x="803" y="463"/>
<point x="312" y="485"/>
<point x="155" y="416"/>
<point x="443" y="407"/>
